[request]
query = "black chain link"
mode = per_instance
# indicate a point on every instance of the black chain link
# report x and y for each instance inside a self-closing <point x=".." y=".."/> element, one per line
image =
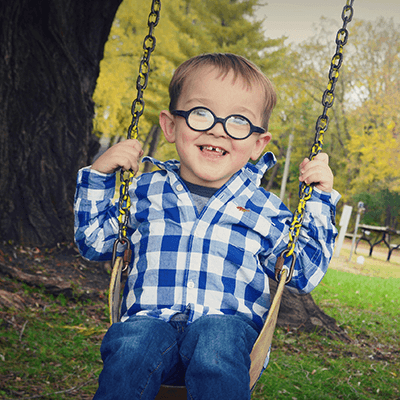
<point x="124" y="204"/>
<point x="149" y="44"/>
<point x="321" y="127"/>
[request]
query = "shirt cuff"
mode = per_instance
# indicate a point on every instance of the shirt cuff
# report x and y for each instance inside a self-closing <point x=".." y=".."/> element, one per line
<point x="94" y="185"/>
<point x="332" y="198"/>
<point x="323" y="203"/>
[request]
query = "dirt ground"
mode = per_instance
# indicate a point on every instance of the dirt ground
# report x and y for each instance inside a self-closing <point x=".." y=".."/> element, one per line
<point x="59" y="270"/>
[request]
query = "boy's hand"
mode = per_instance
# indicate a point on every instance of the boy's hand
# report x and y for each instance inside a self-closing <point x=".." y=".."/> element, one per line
<point x="123" y="155"/>
<point x="317" y="171"/>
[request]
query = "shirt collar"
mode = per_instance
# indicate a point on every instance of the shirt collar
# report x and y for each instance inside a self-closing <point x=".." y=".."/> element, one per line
<point x="254" y="172"/>
<point x="257" y="171"/>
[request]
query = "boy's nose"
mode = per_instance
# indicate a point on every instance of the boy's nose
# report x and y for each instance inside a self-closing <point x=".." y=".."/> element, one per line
<point x="217" y="130"/>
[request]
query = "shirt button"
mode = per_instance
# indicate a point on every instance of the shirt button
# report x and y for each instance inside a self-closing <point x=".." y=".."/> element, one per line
<point x="191" y="285"/>
<point x="179" y="188"/>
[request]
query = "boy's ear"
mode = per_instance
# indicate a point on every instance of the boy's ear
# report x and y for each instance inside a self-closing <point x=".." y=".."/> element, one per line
<point x="167" y="123"/>
<point x="259" y="145"/>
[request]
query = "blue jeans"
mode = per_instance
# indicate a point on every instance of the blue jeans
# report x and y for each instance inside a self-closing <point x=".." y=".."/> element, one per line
<point x="211" y="357"/>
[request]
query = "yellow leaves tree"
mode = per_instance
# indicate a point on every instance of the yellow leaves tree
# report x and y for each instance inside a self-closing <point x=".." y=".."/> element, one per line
<point x="374" y="155"/>
<point x="116" y="86"/>
<point x="374" y="146"/>
<point x="363" y="139"/>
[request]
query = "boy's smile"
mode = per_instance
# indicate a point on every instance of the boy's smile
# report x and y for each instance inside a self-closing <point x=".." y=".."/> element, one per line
<point x="218" y="150"/>
<point x="210" y="158"/>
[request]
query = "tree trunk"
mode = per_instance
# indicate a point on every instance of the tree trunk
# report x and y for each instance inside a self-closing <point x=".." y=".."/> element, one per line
<point x="300" y="312"/>
<point x="155" y="134"/>
<point x="50" y="54"/>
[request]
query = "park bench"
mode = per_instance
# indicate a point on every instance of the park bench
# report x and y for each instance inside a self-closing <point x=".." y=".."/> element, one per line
<point x="381" y="234"/>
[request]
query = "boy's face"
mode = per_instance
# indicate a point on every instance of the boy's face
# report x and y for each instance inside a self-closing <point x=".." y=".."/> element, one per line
<point x="212" y="157"/>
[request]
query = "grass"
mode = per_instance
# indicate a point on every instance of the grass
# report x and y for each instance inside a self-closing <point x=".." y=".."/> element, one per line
<point x="365" y="302"/>
<point x="51" y="349"/>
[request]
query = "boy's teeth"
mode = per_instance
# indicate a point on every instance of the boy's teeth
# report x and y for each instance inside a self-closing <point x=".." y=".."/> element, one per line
<point x="211" y="148"/>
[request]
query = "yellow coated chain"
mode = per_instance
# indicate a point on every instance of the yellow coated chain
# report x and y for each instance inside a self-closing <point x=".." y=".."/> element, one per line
<point x="149" y="44"/>
<point x="321" y="127"/>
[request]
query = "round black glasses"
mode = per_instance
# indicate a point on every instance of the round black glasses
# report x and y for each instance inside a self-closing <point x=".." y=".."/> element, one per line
<point x="202" y="119"/>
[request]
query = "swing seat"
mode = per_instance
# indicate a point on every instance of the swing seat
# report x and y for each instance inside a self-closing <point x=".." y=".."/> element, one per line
<point x="172" y="393"/>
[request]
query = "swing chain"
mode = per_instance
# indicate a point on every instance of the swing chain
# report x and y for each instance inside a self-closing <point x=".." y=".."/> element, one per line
<point x="124" y="204"/>
<point x="149" y="44"/>
<point x="321" y="127"/>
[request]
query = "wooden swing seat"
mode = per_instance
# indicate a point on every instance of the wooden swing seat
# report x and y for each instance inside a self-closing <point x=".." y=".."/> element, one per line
<point x="172" y="393"/>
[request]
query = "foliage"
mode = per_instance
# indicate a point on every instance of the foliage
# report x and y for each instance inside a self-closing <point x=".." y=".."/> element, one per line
<point x="373" y="99"/>
<point x="363" y="136"/>
<point x="381" y="207"/>
<point x="301" y="84"/>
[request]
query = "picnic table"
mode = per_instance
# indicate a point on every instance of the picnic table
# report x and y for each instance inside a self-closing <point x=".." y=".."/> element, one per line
<point x="381" y="234"/>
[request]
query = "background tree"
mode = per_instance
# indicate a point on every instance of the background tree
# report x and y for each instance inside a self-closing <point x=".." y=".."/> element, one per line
<point x="375" y="143"/>
<point x="300" y="84"/>
<point x="363" y="137"/>
<point x="50" y="52"/>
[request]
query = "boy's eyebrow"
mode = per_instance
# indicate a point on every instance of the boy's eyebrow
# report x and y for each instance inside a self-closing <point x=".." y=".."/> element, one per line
<point x="203" y="101"/>
<point x="248" y="110"/>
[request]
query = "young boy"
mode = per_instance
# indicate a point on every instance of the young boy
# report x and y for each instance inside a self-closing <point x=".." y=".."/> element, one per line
<point x="205" y="237"/>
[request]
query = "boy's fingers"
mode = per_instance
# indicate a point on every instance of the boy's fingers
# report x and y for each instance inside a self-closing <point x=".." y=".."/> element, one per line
<point x="322" y="157"/>
<point x="304" y="163"/>
<point x="123" y="155"/>
<point x="319" y="159"/>
<point x="317" y="171"/>
<point x="132" y="145"/>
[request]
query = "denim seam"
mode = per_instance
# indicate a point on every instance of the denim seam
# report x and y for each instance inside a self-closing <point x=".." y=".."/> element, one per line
<point x="169" y="348"/>
<point x="148" y="380"/>
<point x="158" y="366"/>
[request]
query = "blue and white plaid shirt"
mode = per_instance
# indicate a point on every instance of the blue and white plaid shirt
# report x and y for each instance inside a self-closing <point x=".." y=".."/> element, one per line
<point x="213" y="262"/>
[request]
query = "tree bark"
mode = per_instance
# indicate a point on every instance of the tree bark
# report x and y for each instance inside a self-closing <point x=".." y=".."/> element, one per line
<point x="155" y="134"/>
<point x="299" y="311"/>
<point x="50" y="52"/>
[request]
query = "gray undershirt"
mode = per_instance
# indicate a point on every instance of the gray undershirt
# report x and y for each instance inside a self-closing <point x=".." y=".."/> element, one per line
<point x="200" y="194"/>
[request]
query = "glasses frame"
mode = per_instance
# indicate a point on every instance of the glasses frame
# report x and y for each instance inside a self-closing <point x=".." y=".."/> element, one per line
<point x="185" y="114"/>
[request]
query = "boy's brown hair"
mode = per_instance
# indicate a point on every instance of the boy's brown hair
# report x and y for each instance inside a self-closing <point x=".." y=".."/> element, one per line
<point x="225" y="62"/>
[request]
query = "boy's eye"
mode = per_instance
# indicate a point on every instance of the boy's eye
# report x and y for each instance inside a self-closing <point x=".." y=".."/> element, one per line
<point x="201" y="112"/>
<point x="238" y="120"/>
<point x="200" y="119"/>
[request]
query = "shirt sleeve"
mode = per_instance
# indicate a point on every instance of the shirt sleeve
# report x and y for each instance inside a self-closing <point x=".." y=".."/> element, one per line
<point x="96" y="222"/>
<point x="315" y="245"/>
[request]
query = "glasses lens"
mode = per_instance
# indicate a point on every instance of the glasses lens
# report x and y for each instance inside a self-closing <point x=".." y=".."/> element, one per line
<point x="238" y="126"/>
<point x="200" y="119"/>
